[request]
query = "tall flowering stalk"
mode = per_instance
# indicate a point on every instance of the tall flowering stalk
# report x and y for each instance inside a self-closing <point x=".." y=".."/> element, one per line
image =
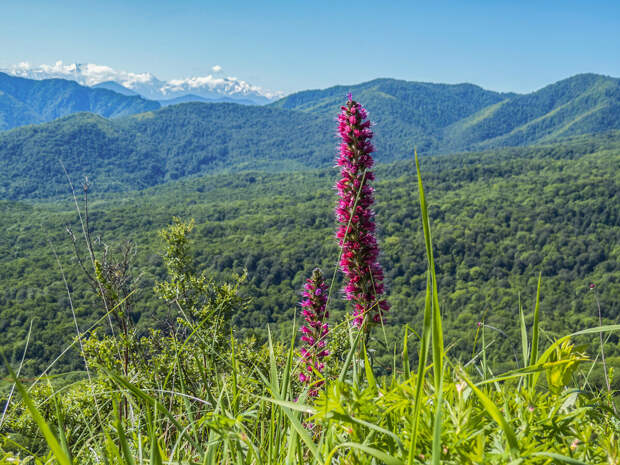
<point x="314" y="331"/>
<point x="356" y="233"/>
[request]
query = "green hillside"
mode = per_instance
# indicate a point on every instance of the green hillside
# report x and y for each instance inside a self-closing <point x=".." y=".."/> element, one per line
<point x="28" y="101"/>
<point x="442" y="117"/>
<point x="153" y="148"/>
<point x="405" y="113"/>
<point x="499" y="218"/>
<point x="586" y="103"/>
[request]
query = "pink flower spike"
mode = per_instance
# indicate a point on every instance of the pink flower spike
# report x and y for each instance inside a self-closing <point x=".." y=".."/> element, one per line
<point x="359" y="260"/>
<point x="315" y="331"/>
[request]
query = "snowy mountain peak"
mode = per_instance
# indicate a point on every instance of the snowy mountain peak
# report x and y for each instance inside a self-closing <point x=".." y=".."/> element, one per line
<point x="212" y="86"/>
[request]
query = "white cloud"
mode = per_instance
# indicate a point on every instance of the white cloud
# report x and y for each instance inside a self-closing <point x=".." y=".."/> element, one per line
<point x="149" y="86"/>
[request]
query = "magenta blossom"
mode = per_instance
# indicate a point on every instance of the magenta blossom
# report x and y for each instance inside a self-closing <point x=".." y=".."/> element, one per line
<point x="356" y="233"/>
<point x="314" y="331"/>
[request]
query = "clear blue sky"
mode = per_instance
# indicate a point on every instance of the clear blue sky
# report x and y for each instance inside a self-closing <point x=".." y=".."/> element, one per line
<point x="518" y="45"/>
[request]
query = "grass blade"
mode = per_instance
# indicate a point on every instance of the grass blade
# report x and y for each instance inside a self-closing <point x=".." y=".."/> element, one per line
<point x="155" y="452"/>
<point x="49" y="436"/>
<point x="122" y="438"/>
<point x="524" y="343"/>
<point x="296" y="424"/>
<point x="349" y="359"/>
<point x="436" y="450"/>
<point x="370" y="377"/>
<point x="535" y="329"/>
<point x="438" y="348"/>
<point x="289" y="364"/>
<point x="155" y="403"/>
<point x="423" y="355"/>
<point x="406" y="364"/>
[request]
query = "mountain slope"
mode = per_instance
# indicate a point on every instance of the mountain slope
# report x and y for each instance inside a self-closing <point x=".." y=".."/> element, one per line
<point x="440" y="117"/>
<point x="27" y="101"/>
<point x="187" y="98"/>
<point x="586" y="103"/>
<point x="115" y="87"/>
<point x="415" y="111"/>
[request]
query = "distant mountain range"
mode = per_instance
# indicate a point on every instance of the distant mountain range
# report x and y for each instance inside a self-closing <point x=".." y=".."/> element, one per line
<point x="196" y="98"/>
<point x="114" y="86"/>
<point x="28" y="101"/>
<point x="132" y="152"/>
<point x="212" y="86"/>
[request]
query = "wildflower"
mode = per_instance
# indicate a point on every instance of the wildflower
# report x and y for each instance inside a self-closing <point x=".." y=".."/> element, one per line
<point x="314" y="331"/>
<point x="592" y="286"/>
<point x="356" y="233"/>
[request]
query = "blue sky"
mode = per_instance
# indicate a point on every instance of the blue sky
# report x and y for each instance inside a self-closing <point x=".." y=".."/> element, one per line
<point x="294" y="45"/>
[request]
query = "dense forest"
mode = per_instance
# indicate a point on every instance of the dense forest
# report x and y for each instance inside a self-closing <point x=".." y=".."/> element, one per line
<point x="499" y="219"/>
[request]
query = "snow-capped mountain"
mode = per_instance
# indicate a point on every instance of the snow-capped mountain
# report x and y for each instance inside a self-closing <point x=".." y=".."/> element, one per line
<point x="212" y="87"/>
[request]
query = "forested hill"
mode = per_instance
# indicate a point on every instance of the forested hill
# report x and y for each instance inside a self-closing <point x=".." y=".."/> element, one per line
<point x="156" y="147"/>
<point x="441" y="117"/>
<point x="28" y="101"/>
<point x="415" y="112"/>
<point x="498" y="219"/>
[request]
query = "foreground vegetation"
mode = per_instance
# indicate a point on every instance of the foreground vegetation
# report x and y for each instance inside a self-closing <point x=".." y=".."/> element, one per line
<point x="195" y="394"/>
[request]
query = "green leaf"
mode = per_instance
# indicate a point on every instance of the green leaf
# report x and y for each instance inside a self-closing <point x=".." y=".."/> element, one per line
<point x="382" y="456"/>
<point x="545" y="356"/>
<point x="492" y="410"/>
<point x="298" y="407"/>
<point x="560" y="458"/>
<point x="370" y="377"/>
<point x="349" y="419"/>
<point x="289" y="363"/>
